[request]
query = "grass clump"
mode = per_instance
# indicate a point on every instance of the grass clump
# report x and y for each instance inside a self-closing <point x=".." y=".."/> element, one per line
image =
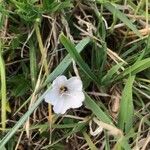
<point x="106" y="43"/>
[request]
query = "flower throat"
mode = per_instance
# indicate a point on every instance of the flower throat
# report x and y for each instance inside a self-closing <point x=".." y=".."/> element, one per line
<point x="63" y="89"/>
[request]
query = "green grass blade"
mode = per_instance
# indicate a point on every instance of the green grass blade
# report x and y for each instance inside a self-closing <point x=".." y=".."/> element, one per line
<point x="89" y="141"/>
<point x="20" y="122"/>
<point x="136" y="68"/>
<point x="126" y="111"/>
<point x="40" y="99"/>
<point x="78" y="128"/>
<point x="122" y="17"/>
<point x="3" y="89"/>
<point x="66" y="61"/>
<point x="33" y="64"/>
<point x="122" y="144"/>
<point x="97" y="110"/>
<point x="75" y="55"/>
<point x="107" y="78"/>
<point x="107" y="144"/>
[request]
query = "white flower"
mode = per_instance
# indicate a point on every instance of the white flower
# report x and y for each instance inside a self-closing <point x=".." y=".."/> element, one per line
<point x="65" y="94"/>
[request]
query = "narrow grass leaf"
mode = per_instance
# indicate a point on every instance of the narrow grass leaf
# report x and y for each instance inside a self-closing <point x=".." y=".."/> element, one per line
<point x="122" y="17"/>
<point x="54" y="6"/>
<point x="8" y="136"/>
<point x="66" y="61"/>
<point x="136" y="68"/>
<point x="122" y="144"/>
<point x="64" y="64"/>
<point x="55" y="73"/>
<point x="78" y="128"/>
<point x="97" y="110"/>
<point x="33" y="64"/>
<point x="41" y="46"/>
<point x="107" y="145"/>
<point x="75" y="55"/>
<point x="45" y="126"/>
<point x="3" y="89"/>
<point x="107" y="78"/>
<point x="125" y="121"/>
<point x="89" y="141"/>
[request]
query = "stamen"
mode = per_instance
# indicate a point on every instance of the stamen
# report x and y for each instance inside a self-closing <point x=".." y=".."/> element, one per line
<point x="63" y="89"/>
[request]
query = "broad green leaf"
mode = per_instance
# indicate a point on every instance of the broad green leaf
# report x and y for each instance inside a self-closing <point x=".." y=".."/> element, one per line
<point x="75" y="55"/>
<point x="125" y="121"/>
<point x="96" y="110"/>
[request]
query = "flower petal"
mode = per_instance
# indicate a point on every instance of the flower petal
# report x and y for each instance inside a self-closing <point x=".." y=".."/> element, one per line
<point x="65" y="102"/>
<point x="59" y="81"/>
<point x="73" y="100"/>
<point x="77" y="98"/>
<point x="52" y="96"/>
<point x="74" y="84"/>
<point x="60" y="107"/>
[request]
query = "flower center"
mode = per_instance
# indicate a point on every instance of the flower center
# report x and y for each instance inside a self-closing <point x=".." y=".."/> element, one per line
<point x="63" y="89"/>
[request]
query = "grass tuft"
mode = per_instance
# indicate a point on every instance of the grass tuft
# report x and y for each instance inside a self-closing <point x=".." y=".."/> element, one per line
<point x="105" y="43"/>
